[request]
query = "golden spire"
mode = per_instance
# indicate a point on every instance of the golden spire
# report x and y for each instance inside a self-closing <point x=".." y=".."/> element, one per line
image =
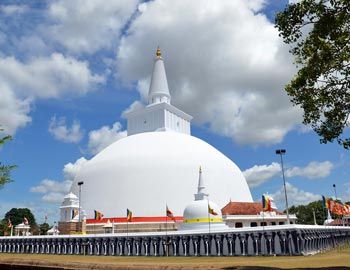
<point x="158" y="52"/>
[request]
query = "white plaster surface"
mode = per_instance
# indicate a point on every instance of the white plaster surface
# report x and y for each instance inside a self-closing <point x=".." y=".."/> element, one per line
<point x="146" y="171"/>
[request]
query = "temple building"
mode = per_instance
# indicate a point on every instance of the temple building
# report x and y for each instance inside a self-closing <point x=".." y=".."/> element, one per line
<point x="251" y="214"/>
<point x="155" y="166"/>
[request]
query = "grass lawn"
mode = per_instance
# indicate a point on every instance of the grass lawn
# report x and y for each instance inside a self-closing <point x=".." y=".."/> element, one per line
<point x="337" y="257"/>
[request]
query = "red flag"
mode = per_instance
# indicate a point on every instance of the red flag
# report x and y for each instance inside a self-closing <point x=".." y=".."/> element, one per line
<point x="25" y="221"/>
<point x="169" y="213"/>
<point x="98" y="215"/>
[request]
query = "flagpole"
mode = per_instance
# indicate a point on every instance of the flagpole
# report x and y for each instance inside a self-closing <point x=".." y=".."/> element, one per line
<point x="127" y="228"/>
<point x="208" y="216"/>
<point x="166" y="225"/>
<point x="166" y="234"/>
<point x="263" y="214"/>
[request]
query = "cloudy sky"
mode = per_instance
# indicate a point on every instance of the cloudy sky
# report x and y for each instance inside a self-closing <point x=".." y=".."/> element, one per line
<point x="69" y="69"/>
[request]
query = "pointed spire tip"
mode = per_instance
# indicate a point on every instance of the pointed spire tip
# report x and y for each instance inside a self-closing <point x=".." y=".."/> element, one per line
<point x="158" y="52"/>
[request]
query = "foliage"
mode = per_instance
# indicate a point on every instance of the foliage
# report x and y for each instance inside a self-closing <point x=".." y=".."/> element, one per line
<point x="5" y="170"/>
<point x="16" y="215"/>
<point x="319" y="34"/>
<point x="4" y="229"/>
<point x="44" y="227"/>
<point x="304" y="213"/>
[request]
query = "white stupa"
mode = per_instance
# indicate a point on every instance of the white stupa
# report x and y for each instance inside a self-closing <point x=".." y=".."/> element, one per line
<point x="197" y="215"/>
<point x="156" y="164"/>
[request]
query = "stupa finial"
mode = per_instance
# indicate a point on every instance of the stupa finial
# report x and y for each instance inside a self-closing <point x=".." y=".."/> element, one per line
<point x="201" y="191"/>
<point x="158" y="90"/>
<point x="158" y="52"/>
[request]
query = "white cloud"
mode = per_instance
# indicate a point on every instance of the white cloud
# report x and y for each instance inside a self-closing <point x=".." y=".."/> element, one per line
<point x="314" y="170"/>
<point x="61" y="132"/>
<point x="13" y="111"/>
<point x="53" y="191"/>
<point x="48" y="185"/>
<point x="226" y="65"/>
<point x="71" y="170"/>
<point x="295" y="196"/>
<point x="10" y="10"/>
<point x="136" y="105"/>
<point x="55" y="76"/>
<point x="53" y="197"/>
<point x="259" y="174"/>
<point x="88" y="26"/>
<point x="48" y="77"/>
<point x="101" y="138"/>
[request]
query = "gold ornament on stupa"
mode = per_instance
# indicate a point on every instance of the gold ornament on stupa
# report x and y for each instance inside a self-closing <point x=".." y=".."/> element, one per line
<point x="158" y="53"/>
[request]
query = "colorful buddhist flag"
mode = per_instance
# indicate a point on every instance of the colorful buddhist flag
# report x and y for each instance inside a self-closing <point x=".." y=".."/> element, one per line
<point x="328" y="203"/>
<point x="98" y="215"/>
<point x="169" y="213"/>
<point x="25" y="221"/>
<point x="324" y="202"/>
<point x="266" y="203"/>
<point x="347" y="209"/>
<point x="75" y="212"/>
<point x="211" y="211"/>
<point x="335" y="207"/>
<point x="9" y="223"/>
<point x="128" y="215"/>
<point x="339" y="209"/>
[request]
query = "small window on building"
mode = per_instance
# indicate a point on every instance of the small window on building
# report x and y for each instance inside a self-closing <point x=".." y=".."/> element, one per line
<point x="239" y="225"/>
<point x="263" y="224"/>
<point x="291" y="222"/>
<point x="281" y="223"/>
<point x="273" y="223"/>
<point x="253" y="224"/>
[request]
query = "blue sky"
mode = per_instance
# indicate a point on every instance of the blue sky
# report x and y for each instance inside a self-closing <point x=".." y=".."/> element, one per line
<point x="68" y="71"/>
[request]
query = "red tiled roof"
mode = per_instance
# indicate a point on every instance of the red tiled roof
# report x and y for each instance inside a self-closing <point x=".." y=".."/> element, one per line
<point x="338" y="222"/>
<point x="134" y="219"/>
<point x="243" y="208"/>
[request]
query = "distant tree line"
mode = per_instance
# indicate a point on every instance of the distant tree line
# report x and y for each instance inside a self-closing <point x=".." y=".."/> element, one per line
<point x="304" y="213"/>
<point x="16" y="216"/>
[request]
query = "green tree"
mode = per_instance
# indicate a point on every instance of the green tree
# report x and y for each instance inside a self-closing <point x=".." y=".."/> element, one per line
<point x="319" y="34"/>
<point x="44" y="227"/>
<point x="17" y="215"/>
<point x="5" y="170"/>
<point x="4" y="229"/>
<point x="305" y="215"/>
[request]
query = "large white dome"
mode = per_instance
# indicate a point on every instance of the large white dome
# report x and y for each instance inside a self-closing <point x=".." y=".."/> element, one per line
<point x="146" y="171"/>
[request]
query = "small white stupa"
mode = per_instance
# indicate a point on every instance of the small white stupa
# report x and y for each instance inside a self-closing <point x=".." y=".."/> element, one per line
<point x="202" y="214"/>
<point x="54" y="230"/>
<point x="329" y="219"/>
